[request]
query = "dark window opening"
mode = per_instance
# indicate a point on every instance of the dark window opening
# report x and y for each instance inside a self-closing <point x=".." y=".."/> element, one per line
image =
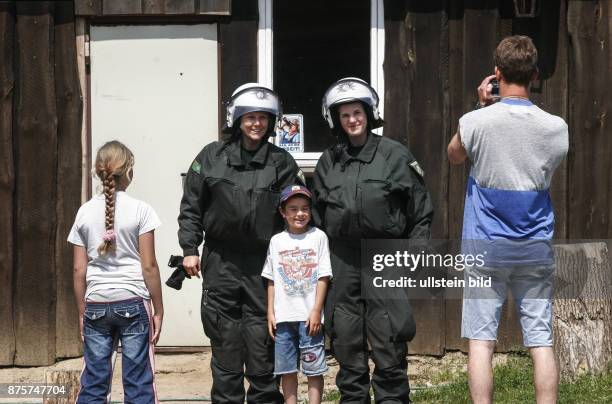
<point x="317" y="42"/>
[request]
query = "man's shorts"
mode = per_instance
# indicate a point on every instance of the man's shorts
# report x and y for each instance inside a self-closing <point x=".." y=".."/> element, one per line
<point x="294" y="345"/>
<point x="531" y="287"/>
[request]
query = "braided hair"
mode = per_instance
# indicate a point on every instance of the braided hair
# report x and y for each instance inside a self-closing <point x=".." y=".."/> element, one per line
<point x="113" y="162"/>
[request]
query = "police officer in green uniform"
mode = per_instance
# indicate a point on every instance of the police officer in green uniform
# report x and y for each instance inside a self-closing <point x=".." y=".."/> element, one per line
<point x="231" y="195"/>
<point x="367" y="187"/>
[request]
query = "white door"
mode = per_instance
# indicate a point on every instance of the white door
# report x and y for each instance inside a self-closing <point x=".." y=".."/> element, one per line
<point x="155" y="89"/>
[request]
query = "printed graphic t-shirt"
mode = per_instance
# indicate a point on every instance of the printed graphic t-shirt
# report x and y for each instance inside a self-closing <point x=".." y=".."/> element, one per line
<point x="295" y="263"/>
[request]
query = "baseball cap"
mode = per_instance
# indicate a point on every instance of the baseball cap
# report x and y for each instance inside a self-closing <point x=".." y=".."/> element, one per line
<point x="292" y="190"/>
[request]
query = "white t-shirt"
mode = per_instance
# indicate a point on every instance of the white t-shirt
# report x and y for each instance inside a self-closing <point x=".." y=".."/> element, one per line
<point x="119" y="269"/>
<point x="295" y="263"/>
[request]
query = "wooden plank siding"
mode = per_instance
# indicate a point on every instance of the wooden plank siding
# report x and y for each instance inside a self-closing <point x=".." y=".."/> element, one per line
<point x="428" y="120"/>
<point x="179" y="7"/>
<point x="90" y="7"/>
<point x="474" y="33"/>
<point x="397" y="71"/>
<point x="35" y="161"/>
<point x="68" y="101"/>
<point x="7" y="183"/>
<point x="550" y="92"/>
<point x="590" y="115"/>
<point x="121" y="7"/>
<point x="237" y="51"/>
<point x="219" y="7"/>
<point x="95" y="8"/>
<point x="416" y="110"/>
<point x="457" y="174"/>
<point x="152" y="6"/>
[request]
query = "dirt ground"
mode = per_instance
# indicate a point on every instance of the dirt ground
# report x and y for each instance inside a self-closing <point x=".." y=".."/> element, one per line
<point x="187" y="377"/>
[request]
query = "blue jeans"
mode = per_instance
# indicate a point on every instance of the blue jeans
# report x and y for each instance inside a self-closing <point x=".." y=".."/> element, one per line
<point x="104" y="325"/>
<point x="293" y="341"/>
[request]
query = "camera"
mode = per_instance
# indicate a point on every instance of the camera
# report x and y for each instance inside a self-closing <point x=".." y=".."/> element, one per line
<point x="495" y="88"/>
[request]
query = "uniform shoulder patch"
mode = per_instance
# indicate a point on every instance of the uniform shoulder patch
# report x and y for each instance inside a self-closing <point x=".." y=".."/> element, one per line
<point x="416" y="167"/>
<point x="196" y="166"/>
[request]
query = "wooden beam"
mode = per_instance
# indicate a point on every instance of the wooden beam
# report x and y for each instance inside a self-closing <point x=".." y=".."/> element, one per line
<point x="590" y="165"/>
<point x="179" y="7"/>
<point x="457" y="174"/>
<point x="237" y="51"/>
<point x="416" y="60"/>
<point x="35" y="162"/>
<point x="7" y="183"/>
<point x="215" y="7"/>
<point x="68" y="100"/>
<point x="88" y="7"/>
<point x="153" y="6"/>
<point x="397" y="70"/>
<point x="473" y="27"/>
<point x="548" y="31"/>
<point x="121" y="7"/>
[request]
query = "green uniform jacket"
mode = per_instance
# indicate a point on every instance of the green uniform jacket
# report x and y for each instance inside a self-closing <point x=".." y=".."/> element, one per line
<point x="233" y="202"/>
<point x="379" y="193"/>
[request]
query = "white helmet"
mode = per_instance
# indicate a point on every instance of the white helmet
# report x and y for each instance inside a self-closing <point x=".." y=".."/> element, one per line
<point x="350" y="89"/>
<point x="251" y="97"/>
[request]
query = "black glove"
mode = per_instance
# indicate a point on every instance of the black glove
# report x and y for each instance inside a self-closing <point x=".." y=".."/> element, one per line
<point x="175" y="281"/>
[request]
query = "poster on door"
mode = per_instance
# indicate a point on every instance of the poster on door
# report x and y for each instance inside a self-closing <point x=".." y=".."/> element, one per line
<point x="290" y="133"/>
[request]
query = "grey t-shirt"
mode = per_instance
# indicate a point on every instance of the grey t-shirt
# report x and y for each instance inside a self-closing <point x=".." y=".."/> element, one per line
<point x="514" y="148"/>
<point x="513" y="145"/>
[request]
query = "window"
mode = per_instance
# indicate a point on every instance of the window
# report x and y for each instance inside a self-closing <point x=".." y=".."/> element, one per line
<point x="304" y="46"/>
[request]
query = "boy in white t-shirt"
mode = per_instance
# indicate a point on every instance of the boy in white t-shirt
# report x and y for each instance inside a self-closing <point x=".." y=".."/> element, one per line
<point x="298" y="271"/>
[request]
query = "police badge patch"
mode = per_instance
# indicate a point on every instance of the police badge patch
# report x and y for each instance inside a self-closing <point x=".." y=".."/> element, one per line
<point x="197" y="167"/>
<point x="416" y="167"/>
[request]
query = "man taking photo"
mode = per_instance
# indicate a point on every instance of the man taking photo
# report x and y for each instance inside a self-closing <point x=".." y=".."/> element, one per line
<point x="514" y="148"/>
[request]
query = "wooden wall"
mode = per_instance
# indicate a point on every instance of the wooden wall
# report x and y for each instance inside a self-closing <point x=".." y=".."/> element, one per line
<point x="40" y="180"/>
<point x="437" y="52"/>
<point x="7" y="183"/>
<point x="40" y="157"/>
<point x="98" y="8"/>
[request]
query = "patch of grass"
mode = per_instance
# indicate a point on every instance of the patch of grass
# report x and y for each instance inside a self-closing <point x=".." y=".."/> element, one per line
<point x="591" y="389"/>
<point x="453" y="390"/>
<point x="513" y="383"/>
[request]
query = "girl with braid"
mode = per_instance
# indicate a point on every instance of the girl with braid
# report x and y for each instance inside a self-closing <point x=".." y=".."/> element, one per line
<point x="116" y="278"/>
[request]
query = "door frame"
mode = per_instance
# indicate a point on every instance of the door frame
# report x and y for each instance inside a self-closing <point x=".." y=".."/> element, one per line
<point x="82" y="28"/>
